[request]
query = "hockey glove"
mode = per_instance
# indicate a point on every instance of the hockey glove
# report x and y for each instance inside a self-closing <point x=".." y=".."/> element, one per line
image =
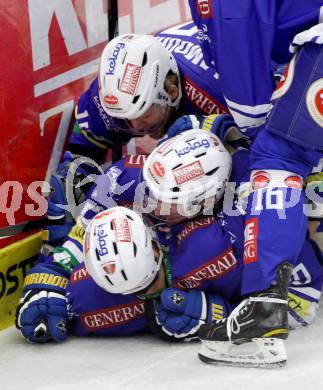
<point x="222" y="126"/>
<point x="41" y="314"/>
<point x="180" y="314"/>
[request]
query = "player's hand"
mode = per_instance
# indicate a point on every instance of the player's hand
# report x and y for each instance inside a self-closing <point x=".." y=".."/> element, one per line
<point x="184" y="123"/>
<point x="41" y="315"/>
<point x="179" y="314"/>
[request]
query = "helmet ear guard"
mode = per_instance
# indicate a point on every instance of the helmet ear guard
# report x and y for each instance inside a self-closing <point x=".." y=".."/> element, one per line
<point x="118" y="251"/>
<point x="132" y="74"/>
<point x="188" y="169"/>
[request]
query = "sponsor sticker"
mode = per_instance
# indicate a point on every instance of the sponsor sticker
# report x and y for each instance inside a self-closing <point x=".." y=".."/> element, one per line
<point x="250" y="241"/>
<point x="112" y="61"/>
<point x="122" y="229"/>
<point x="314" y="101"/>
<point x="188" y="172"/>
<point x="104" y="214"/>
<point x="110" y="100"/>
<point x="204" y="8"/>
<point x="102" y="234"/>
<point x="130" y="79"/>
<point x="192" y="145"/>
<point x="158" y="168"/>
<point x="260" y="179"/>
<point x="165" y="145"/>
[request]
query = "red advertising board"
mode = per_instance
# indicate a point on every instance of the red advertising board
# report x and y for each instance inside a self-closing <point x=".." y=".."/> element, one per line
<point x="49" y="55"/>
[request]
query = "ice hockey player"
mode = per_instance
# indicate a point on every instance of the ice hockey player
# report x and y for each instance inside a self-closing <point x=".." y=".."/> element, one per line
<point x="131" y="102"/>
<point x="125" y="267"/>
<point x="289" y="145"/>
<point x="197" y="151"/>
<point x="144" y="84"/>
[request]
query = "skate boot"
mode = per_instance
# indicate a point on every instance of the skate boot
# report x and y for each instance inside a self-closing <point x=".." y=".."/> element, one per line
<point x="253" y="334"/>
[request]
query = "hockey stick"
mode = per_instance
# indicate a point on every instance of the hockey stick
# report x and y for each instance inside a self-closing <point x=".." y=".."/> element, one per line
<point x="23" y="227"/>
<point x="113" y="19"/>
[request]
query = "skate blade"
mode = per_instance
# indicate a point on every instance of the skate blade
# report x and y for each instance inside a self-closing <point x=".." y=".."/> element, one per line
<point x="258" y="352"/>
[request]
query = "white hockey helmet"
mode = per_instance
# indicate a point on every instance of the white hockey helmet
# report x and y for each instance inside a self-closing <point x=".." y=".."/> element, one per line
<point x="133" y="69"/>
<point x="118" y="251"/>
<point x="188" y="168"/>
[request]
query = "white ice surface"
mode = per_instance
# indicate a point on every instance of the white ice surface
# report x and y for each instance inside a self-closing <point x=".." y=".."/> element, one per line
<point x="146" y="363"/>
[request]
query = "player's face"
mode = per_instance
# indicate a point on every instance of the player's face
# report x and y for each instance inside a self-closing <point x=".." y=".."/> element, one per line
<point x="159" y="283"/>
<point x="153" y="121"/>
<point x="173" y="214"/>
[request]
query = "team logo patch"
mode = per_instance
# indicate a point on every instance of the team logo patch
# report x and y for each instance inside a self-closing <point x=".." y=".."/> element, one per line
<point x="204" y="8"/>
<point x="188" y="172"/>
<point x="130" y="79"/>
<point x="314" y="101"/>
<point x="61" y="325"/>
<point x="121" y="227"/>
<point x="260" y="179"/>
<point x="110" y="100"/>
<point x="283" y="86"/>
<point x="294" y="182"/>
<point x="250" y="241"/>
<point x="158" y="168"/>
<point x="177" y="298"/>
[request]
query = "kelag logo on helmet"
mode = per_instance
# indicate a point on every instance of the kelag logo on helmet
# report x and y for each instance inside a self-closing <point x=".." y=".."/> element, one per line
<point x="112" y="60"/>
<point x="102" y="235"/>
<point x="192" y="146"/>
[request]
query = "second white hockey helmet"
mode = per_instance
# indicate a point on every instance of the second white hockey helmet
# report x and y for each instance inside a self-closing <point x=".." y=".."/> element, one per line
<point x="188" y="168"/>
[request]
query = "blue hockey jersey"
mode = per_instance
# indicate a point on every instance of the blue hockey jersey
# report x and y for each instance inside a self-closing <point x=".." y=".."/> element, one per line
<point x="241" y="39"/>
